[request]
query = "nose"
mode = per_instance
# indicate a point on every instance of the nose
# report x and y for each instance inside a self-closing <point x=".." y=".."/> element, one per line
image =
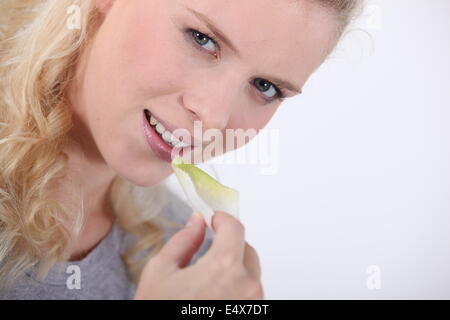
<point x="212" y="103"/>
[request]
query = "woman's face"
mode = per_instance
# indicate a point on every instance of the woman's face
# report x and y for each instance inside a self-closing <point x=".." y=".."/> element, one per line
<point x="153" y="55"/>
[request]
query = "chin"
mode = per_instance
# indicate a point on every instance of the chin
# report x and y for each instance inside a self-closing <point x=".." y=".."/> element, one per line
<point x="147" y="175"/>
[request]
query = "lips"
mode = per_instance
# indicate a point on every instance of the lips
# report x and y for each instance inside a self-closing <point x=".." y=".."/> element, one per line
<point x="172" y="129"/>
<point x="159" y="147"/>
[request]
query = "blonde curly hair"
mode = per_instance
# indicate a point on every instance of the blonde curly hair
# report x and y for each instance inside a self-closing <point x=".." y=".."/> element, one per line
<point x="37" y="52"/>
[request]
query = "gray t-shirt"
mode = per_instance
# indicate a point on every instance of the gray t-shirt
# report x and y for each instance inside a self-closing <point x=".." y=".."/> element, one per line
<point x="101" y="274"/>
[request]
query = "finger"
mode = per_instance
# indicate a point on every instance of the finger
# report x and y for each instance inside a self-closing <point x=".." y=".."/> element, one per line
<point x="229" y="238"/>
<point x="251" y="261"/>
<point x="178" y="251"/>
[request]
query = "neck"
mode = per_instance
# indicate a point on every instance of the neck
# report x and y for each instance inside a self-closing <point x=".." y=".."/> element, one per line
<point x="86" y="178"/>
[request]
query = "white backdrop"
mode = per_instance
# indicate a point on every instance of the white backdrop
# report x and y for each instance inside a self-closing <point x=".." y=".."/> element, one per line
<point x="359" y="207"/>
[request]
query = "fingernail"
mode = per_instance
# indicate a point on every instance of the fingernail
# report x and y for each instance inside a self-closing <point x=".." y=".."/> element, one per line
<point x="195" y="217"/>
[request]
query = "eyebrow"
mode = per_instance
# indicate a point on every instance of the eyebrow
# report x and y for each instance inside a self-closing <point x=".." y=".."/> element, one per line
<point x="220" y="35"/>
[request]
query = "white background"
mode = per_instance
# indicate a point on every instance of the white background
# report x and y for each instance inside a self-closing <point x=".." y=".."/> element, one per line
<point x="363" y="175"/>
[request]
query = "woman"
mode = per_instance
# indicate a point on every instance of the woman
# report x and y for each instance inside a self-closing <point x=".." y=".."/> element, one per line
<point x="80" y="81"/>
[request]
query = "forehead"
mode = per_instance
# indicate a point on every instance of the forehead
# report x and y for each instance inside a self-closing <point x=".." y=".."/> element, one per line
<point x="286" y="37"/>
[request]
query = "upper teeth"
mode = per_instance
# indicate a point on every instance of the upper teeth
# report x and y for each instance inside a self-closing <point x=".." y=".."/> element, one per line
<point x="166" y="135"/>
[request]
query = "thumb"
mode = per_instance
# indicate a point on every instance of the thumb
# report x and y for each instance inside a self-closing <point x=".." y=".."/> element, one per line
<point x="179" y="250"/>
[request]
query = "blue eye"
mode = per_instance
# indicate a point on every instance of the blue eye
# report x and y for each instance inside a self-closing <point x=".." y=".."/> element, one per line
<point x="268" y="89"/>
<point x="204" y="40"/>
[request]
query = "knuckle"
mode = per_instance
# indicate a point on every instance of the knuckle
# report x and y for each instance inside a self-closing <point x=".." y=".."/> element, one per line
<point x="221" y="217"/>
<point x="252" y="251"/>
<point x="218" y="218"/>
<point x="227" y="261"/>
<point x="253" y="290"/>
<point x="240" y="227"/>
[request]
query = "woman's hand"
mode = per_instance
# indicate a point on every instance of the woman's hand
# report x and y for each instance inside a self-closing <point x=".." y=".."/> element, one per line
<point x="230" y="269"/>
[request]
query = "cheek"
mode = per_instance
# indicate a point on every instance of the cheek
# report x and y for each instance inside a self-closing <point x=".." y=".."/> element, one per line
<point x="255" y="116"/>
<point x="247" y="125"/>
<point x="151" y="60"/>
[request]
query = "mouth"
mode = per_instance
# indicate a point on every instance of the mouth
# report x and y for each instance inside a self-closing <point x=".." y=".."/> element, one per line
<point x="163" y="132"/>
<point x="161" y="141"/>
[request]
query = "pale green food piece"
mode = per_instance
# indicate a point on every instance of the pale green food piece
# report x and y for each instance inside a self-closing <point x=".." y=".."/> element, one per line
<point x="204" y="193"/>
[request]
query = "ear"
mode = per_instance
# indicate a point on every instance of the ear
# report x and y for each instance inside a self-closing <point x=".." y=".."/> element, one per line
<point x="103" y="6"/>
